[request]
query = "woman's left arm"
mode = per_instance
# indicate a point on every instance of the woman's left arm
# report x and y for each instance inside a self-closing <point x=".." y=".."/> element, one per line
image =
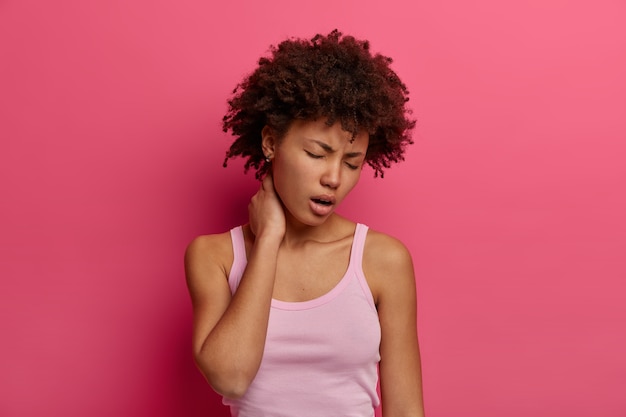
<point x="389" y="270"/>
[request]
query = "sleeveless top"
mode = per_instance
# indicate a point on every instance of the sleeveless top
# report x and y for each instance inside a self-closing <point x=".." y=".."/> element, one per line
<point x="321" y="355"/>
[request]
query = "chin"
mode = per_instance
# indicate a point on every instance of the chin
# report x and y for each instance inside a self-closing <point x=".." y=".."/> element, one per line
<point x="311" y="220"/>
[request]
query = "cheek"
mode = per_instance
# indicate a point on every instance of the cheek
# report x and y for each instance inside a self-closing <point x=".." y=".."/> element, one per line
<point x="285" y="179"/>
<point x="352" y="179"/>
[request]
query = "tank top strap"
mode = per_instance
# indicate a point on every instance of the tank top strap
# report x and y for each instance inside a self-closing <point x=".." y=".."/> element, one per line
<point x="356" y="261"/>
<point x="358" y="244"/>
<point x="239" y="258"/>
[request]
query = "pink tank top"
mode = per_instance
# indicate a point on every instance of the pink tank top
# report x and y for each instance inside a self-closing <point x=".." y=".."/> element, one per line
<point x="321" y="355"/>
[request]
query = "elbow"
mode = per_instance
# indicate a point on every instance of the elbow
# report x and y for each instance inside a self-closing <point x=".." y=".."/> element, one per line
<point x="230" y="391"/>
<point x="229" y="388"/>
<point x="230" y="383"/>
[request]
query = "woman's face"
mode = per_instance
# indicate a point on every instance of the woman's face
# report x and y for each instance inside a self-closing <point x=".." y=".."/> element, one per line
<point x="314" y="167"/>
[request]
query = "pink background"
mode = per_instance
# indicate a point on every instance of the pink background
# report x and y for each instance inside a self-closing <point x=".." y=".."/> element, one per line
<point x="512" y="199"/>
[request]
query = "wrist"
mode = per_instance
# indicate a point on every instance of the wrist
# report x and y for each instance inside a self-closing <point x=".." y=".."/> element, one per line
<point x="269" y="238"/>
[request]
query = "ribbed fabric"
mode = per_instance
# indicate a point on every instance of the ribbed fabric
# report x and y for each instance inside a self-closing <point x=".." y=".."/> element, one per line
<point x="321" y="355"/>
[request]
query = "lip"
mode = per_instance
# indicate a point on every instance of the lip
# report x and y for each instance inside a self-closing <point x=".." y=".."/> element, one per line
<point x="322" y="209"/>
<point x="326" y="197"/>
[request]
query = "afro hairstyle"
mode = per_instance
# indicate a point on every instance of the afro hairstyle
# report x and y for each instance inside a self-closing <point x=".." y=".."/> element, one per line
<point x="334" y="77"/>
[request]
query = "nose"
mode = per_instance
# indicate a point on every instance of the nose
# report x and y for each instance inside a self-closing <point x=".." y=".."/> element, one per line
<point x="332" y="176"/>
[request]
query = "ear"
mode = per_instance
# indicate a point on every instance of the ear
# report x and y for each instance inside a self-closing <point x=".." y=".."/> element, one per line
<point x="268" y="141"/>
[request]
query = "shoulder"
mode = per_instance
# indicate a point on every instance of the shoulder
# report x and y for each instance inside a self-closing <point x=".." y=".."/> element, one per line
<point x="209" y="247"/>
<point x="382" y="250"/>
<point x="386" y="263"/>
<point x="208" y="253"/>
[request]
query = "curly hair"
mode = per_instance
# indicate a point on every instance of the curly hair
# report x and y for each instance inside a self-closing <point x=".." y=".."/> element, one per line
<point x="335" y="77"/>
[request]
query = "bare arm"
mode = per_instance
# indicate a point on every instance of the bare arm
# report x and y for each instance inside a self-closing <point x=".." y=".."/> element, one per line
<point x="389" y="265"/>
<point x="229" y="333"/>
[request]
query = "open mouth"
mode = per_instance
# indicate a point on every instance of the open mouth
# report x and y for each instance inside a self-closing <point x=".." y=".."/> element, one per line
<point x="322" y="201"/>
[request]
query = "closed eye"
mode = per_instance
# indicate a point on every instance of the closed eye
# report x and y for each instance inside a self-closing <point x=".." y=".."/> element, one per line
<point x="353" y="167"/>
<point x="312" y="155"/>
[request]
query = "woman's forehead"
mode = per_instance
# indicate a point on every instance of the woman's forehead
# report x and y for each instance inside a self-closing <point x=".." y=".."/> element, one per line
<point x="319" y="131"/>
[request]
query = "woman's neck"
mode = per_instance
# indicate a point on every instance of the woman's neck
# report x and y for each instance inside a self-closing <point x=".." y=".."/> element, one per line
<point x="333" y="228"/>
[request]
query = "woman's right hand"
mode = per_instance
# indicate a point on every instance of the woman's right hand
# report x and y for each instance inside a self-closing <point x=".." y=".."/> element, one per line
<point x="265" y="211"/>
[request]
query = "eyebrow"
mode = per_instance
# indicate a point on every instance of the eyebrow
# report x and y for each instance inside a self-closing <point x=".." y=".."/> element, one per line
<point x="329" y="149"/>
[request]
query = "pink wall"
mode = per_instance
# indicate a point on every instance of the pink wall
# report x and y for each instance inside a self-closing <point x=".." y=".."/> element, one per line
<point x="512" y="200"/>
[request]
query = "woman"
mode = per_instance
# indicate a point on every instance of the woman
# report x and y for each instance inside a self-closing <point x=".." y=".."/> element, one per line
<point x="297" y="312"/>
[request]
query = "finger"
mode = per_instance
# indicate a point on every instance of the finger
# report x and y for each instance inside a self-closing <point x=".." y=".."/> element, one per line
<point x="267" y="184"/>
